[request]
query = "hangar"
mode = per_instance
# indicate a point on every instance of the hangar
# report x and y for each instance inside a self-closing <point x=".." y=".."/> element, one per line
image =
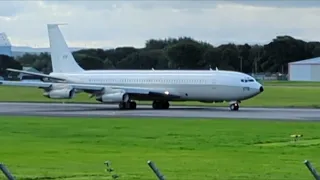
<point x="305" y="70"/>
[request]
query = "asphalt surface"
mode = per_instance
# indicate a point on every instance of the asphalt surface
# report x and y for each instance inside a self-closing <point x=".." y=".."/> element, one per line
<point x="104" y="110"/>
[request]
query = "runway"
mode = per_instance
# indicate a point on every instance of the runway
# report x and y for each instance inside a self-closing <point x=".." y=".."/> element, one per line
<point x="103" y="110"/>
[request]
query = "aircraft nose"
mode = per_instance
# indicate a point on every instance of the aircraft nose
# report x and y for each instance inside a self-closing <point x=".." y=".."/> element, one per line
<point x="261" y="89"/>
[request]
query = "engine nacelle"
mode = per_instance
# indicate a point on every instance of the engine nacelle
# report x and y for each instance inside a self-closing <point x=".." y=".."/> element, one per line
<point x="113" y="97"/>
<point x="60" y="94"/>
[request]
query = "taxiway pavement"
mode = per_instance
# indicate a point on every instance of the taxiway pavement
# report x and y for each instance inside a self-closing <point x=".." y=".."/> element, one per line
<point x="103" y="110"/>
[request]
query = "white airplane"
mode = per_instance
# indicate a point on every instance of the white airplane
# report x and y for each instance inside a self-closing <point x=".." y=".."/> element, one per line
<point x="124" y="87"/>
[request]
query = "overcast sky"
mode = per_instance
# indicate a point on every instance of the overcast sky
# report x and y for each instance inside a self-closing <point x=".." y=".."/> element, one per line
<point x="131" y="23"/>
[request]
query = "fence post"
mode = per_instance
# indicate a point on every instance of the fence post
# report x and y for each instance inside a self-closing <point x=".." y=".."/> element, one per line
<point x="156" y="170"/>
<point x="6" y="172"/>
<point x="312" y="170"/>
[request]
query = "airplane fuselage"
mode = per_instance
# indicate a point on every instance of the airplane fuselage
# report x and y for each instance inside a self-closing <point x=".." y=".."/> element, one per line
<point x="189" y="85"/>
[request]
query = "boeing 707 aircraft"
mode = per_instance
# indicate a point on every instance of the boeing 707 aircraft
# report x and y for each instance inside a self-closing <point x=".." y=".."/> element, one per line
<point x="124" y="87"/>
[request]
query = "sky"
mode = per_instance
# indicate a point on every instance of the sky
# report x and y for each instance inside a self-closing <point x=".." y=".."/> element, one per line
<point x="109" y="24"/>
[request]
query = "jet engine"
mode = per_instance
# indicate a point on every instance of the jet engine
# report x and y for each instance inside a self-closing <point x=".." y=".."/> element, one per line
<point x="65" y="93"/>
<point x="113" y="97"/>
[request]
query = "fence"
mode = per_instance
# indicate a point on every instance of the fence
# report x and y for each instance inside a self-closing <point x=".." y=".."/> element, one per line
<point x="153" y="167"/>
<point x="109" y="169"/>
<point x="270" y="76"/>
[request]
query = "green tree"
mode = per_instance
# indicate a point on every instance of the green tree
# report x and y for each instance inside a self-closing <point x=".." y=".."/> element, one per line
<point x="146" y="59"/>
<point x="188" y="53"/>
<point x="8" y="62"/>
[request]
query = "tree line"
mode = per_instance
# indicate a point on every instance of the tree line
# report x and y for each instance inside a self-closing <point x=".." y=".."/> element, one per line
<point x="183" y="53"/>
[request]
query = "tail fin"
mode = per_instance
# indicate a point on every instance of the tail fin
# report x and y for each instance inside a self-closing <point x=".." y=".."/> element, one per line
<point x="5" y="43"/>
<point x="61" y="57"/>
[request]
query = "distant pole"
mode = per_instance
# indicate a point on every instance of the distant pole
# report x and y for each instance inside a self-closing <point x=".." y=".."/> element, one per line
<point x="240" y="57"/>
<point x="256" y="66"/>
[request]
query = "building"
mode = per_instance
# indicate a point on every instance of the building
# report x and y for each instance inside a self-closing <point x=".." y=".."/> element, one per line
<point x="5" y="45"/>
<point x="306" y="70"/>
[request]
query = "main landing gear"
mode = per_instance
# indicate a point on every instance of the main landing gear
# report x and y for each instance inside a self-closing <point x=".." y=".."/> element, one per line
<point x="128" y="105"/>
<point x="234" y="106"/>
<point x="160" y="105"/>
<point x="133" y="105"/>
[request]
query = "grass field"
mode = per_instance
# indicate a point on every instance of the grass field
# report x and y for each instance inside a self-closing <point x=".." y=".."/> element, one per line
<point x="182" y="149"/>
<point x="277" y="93"/>
<point x="290" y="83"/>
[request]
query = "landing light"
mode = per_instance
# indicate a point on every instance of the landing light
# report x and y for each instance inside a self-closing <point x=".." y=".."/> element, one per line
<point x="166" y="92"/>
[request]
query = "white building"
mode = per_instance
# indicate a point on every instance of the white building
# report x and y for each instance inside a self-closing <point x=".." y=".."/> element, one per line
<point x="306" y="70"/>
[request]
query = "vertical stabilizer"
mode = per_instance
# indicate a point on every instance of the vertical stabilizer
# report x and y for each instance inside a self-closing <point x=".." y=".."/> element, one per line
<point x="4" y="41"/>
<point x="5" y="45"/>
<point x="61" y="57"/>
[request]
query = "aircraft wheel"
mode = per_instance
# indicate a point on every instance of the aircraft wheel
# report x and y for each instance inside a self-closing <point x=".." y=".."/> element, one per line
<point x="234" y="107"/>
<point x="133" y="105"/>
<point x="166" y="105"/>
<point x="155" y="105"/>
<point x="128" y="105"/>
<point x="160" y="105"/>
<point x="122" y="105"/>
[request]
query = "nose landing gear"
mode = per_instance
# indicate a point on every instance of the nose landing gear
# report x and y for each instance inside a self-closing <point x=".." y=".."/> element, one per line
<point x="234" y="106"/>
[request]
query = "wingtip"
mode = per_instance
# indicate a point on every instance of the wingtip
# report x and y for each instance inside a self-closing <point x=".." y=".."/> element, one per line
<point x="10" y="70"/>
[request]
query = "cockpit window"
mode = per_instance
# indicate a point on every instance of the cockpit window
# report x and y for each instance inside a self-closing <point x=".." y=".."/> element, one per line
<point x="247" y="80"/>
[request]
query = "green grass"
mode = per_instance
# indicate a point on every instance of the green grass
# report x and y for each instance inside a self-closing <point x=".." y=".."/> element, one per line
<point x="309" y="142"/>
<point x="276" y="94"/>
<point x="76" y="148"/>
<point x="291" y="83"/>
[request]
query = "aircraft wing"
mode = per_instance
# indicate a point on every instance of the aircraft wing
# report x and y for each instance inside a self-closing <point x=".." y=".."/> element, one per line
<point x="35" y="74"/>
<point x="95" y="88"/>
